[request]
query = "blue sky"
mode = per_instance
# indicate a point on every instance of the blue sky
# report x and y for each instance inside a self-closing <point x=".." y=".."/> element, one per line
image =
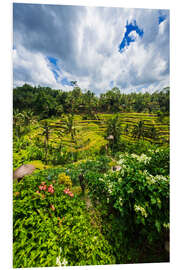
<point x="127" y="39"/>
<point x="98" y="47"/>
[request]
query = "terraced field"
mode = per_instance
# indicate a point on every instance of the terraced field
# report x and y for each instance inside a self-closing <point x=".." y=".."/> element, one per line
<point x="132" y="119"/>
<point x="90" y="133"/>
<point x="88" y="138"/>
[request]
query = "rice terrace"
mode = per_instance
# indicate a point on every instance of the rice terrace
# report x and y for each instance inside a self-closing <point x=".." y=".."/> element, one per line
<point x="90" y="168"/>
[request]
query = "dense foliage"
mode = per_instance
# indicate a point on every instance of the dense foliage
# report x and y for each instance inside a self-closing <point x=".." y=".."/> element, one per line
<point x="100" y="190"/>
<point x="135" y="202"/>
<point x="52" y="226"/>
<point x="46" y="102"/>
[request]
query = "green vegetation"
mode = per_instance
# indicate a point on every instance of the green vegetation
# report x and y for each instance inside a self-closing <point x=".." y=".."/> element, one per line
<point x="100" y="191"/>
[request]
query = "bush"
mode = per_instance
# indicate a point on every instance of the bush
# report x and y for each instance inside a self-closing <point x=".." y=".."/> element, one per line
<point x="53" y="228"/>
<point x="65" y="180"/>
<point x="136" y="203"/>
<point x="159" y="162"/>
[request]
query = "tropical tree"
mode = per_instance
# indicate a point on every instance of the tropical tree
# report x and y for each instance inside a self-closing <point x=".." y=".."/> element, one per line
<point x="138" y="130"/>
<point x="46" y="133"/>
<point x="113" y="132"/>
<point x="70" y="125"/>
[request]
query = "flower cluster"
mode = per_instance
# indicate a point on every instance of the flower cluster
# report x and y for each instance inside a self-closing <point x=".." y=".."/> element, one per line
<point x="65" y="180"/>
<point x="141" y="209"/>
<point x="51" y="189"/>
<point x="110" y="186"/>
<point x="44" y="187"/>
<point x="68" y="192"/>
<point x="61" y="261"/>
<point x="142" y="158"/>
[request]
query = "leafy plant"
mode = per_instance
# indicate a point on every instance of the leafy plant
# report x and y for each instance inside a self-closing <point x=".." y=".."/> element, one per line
<point x="65" y="180"/>
<point x="136" y="203"/>
<point x="52" y="228"/>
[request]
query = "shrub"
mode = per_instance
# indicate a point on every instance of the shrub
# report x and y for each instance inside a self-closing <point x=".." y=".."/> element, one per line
<point x="159" y="162"/>
<point x="52" y="228"/>
<point x="65" y="180"/>
<point x="136" y="203"/>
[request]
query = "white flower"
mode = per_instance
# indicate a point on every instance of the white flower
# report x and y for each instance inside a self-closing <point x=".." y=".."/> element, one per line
<point x="150" y="179"/>
<point x="120" y="162"/>
<point x="139" y="208"/>
<point x="161" y="178"/>
<point x="64" y="262"/>
<point x="166" y="225"/>
<point x="61" y="261"/>
<point x="142" y="158"/>
<point x="58" y="262"/>
<point x="120" y="201"/>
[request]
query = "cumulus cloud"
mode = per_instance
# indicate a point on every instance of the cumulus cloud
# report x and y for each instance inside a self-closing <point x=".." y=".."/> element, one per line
<point x="84" y="43"/>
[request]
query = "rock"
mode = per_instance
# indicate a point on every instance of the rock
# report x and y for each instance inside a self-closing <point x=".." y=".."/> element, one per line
<point x="23" y="170"/>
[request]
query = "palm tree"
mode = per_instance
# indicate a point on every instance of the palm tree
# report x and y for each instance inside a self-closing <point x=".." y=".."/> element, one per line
<point x="113" y="132"/>
<point x="138" y="130"/>
<point x="70" y="125"/>
<point x="46" y="133"/>
<point x="27" y="115"/>
<point x="18" y="119"/>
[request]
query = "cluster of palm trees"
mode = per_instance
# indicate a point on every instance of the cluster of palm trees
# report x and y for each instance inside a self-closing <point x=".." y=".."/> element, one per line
<point x="139" y="131"/>
<point x="21" y="122"/>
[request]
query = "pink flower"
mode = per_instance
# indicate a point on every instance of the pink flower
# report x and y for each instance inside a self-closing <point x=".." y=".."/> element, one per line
<point x="67" y="191"/>
<point x="50" y="189"/>
<point x="44" y="187"/>
<point x="41" y="187"/>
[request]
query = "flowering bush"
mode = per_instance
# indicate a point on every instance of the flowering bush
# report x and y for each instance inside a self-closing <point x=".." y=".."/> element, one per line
<point x="136" y="203"/>
<point x="50" y="228"/>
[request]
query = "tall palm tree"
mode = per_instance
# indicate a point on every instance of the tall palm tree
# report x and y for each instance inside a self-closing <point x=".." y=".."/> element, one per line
<point x="113" y="132"/>
<point x="46" y="133"/>
<point x="138" y="130"/>
<point x="70" y="125"/>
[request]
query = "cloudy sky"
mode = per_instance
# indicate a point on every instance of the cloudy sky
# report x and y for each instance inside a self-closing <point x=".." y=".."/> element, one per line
<point x="98" y="47"/>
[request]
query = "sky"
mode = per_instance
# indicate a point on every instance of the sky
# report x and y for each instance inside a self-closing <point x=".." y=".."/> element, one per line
<point x="99" y="47"/>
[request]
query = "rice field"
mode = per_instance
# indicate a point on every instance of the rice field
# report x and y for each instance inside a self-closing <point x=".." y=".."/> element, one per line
<point x="89" y="134"/>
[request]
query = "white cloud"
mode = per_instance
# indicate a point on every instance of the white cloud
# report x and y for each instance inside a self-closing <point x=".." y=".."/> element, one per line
<point x="90" y="54"/>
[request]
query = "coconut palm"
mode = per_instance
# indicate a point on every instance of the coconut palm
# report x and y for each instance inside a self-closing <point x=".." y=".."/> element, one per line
<point x="138" y="130"/>
<point x="113" y="132"/>
<point x="70" y="125"/>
